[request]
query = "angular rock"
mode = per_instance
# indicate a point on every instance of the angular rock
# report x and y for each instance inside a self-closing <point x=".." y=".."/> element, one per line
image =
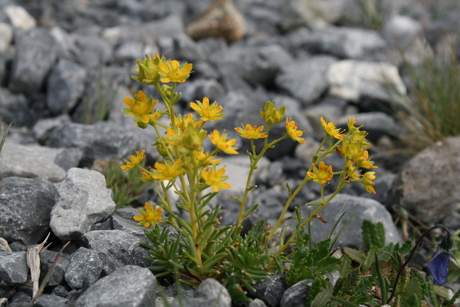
<point x="36" y="161"/>
<point x="296" y="295"/>
<point x="47" y="259"/>
<point x="214" y="292"/>
<point x="306" y="80"/>
<point x="101" y="141"/>
<point x="6" y="36"/>
<point x="341" y="42"/>
<point x="401" y="31"/>
<point x="364" y="209"/>
<point x="426" y="186"/>
<point x="65" y="86"/>
<point x="92" y="51"/>
<point x="82" y="200"/>
<point x="350" y="79"/>
<point x="36" y="52"/>
<point x="13" y="268"/>
<point x="129" y="286"/>
<point x="20" y="18"/>
<point x="25" y="206"/>
<point x="84" y="269"/>
<point x="51" y="300"/>
<point x="270" y="290"/>
<point x="116" y="248"/>
<point x="122" y="219"/>
<point x="13" y="108"/>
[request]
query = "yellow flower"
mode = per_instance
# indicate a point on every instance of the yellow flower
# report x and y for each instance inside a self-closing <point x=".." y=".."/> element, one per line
<point x="206" y="111"/>
<point x="321" y="175"/>
<point x="205" y="159"/>
<point x="331" y="129"/>
<point x="220" y="141"/>
<point x="171" y="71"/>
<point x="182" y="121"/>
<point x="149" y="216"/>
<point x="351" y="125"/>
<point x="134" y="160"/>
<point x="271" y="115"/>
<point x="167" y="171"/>
<point x="351" y="151"/>
<point x="214" y="179"/>
<point x="293" y="133"/>
<point x="148" y="69"/>
<point x="251" y="132"/>
<point x="141" y="107"/>
<point x="367" y="181"/>
<point x="364" y="161"/>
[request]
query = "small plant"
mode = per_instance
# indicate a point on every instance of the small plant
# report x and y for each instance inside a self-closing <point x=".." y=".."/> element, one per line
<point x="374" y="13"/>
<point x="431" y="113"/>
<point x="126" y="187"/>
<point x="203" y="249"/>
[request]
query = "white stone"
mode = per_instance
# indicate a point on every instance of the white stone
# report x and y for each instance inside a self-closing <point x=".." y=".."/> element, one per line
<point x="20" y="18"/>
<point x="6" y="35"/>
<point x="350" y="79"/>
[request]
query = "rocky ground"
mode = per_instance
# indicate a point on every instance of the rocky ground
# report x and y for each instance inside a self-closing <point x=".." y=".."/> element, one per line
<point x="65" y="68"/>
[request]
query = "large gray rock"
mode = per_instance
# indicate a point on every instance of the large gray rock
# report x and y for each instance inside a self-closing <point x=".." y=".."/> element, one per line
<point x="36" y="161"/>
<point x="427" y="185"/>
<point x="210" y="291"/>
<point x="401" y="31"/>
<point x="116" y="248"/>
<point x="270" y="290"/>
<point x="82" y="200"/>
<point x="129" y="286"/>
<point x="13" y="268"/>
<point x="65" y="86"/>
<point x="363" y="209"/>
<point x="36" y="52"/>
<point x="13" y="108"/>
<point x="25" y="206"/>
<point x="306" y="79"/>
<point x="84" y="269"/>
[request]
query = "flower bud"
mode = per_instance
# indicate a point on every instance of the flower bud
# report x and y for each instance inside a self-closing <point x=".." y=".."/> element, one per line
<point x="271" y="115"/>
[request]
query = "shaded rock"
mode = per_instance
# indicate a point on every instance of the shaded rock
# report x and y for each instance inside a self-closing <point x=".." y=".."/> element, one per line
<point x="25" y="206"/>
<point x="20" y="18"/>
<point x="36" y="161"/>
<point x="401" y="31"/>
<point x="426" y="186"/>
<point x="13" y="268"/>
<point x="92" y="51"/>
<point x="101" y="141"/>
<point x="13" y="108"/>
<point x="84" y="269"/>
<point x="364" y="209"/>
<point x="306" y="80"/>
<point x="82" y="200"/>
<point x="47" y="259"/>
<point x="296" y="295"/>
<point x="50" y="300"/>
<point x="116" y="248"/>
<point x="36" y="52"/>
<point x="350" y="79"/>
<point x="270" y="290"/>
<point x="129" y="286"/>
<point x="210" y="291"/>
<point x="122" y="219"/>
<point x="65" y="86"/>
<point x="221" y="19"/>
<point x="341" y="42"/>
<point x="43" y="127"/>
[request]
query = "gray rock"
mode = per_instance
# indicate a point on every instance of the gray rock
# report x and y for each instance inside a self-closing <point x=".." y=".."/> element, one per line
<point x="84" y="269"/>
<point x="426" y="185"/>
<point x="13" y="108"/>
<point x="122" y="219"/>
<point x="36" y="52"/>
<point x="400" y="32"/>
<point x="92" y="51"/>
<point x="13" y="268"/>
<point x="305" y="80"/>
<point x="296" y="295"/>
<point x="214" y="292"/>
<point x="101" y="141"/>
<point x="350" y="79"/>
<point x="65" y="86"/>
<point x="197" y="89"/>
<point x="270" y="290"/>
<point x="43" y="127"/>
<point x="129" y="286"/>
<point x="376" y="124"/>
<point x="187" y="49"/>
<point x="116" y="248"/>
<point x="36" y="161"/>
<point x="82" y="200"/>
<point x="257" y="303"/>
<point x="51" y="300"/>
<point x="318" y="13"/>
<point x="341" y="42"/>
<point x="47" y="258"/>
<point x="25" y="206"/>
<point x="364" y="209"/>
<point x="129" y="52"/>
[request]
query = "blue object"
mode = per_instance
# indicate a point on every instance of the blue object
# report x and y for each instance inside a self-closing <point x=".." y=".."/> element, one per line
<point x="439" y="267"/>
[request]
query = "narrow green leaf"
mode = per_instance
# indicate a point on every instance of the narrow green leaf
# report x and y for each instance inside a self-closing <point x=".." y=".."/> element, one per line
<point x="323" y="297"/>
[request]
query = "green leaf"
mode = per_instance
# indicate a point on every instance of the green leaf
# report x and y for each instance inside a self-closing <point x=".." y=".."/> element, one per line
<point x="345" y="266"/>
<point x="354" y="254"/>
<point x="323" y="297"/>
<point x="373" y="234"/>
